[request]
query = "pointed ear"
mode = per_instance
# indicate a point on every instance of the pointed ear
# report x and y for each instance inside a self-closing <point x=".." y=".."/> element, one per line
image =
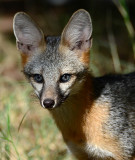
<point x="29" y="37"/>
<point x="77" y="33"/>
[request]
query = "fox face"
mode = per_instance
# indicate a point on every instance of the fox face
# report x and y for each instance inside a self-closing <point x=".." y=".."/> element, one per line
<point x="55" y="66"/>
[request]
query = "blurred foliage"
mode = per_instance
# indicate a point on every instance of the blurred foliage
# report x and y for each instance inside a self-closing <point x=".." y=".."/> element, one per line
<point x="123" y="9"/>
<point x="27" y="132"/>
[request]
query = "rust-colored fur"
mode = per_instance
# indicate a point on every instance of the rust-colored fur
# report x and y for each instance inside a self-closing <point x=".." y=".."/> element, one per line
<point x="94" y="115"/>
<point x="24" y="59"/>
<point x="87" y="123"/>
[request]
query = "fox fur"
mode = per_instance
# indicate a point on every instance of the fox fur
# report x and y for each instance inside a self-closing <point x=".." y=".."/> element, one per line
<point x="96" y="115"/>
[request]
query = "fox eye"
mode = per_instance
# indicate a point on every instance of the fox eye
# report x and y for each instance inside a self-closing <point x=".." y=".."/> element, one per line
<point x="65" y="78"/>
<point x="38" y="78"/>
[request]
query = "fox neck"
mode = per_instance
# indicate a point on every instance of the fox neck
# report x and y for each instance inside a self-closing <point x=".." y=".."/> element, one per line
<point x="70" y="117"/>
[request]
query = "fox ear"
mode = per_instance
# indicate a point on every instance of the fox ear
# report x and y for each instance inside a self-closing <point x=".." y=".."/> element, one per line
<point x="29" y="37"/>
<point x="78" y="31"/>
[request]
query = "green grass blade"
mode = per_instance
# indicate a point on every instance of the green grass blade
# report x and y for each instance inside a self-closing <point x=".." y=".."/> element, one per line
<point x="123" y="9"/>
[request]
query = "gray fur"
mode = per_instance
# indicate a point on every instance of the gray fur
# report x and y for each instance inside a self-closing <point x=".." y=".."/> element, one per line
<point x="120" y="91"/>
<point x="51" y="63"/>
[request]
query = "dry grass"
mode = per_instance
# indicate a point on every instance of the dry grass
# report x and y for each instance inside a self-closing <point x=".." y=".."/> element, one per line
<point x="27" y="131"/>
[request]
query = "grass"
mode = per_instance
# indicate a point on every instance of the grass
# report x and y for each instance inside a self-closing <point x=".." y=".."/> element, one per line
<point x="27" y="131"/>
<point x="123" y="9"/>
<point x="113" y="45"/>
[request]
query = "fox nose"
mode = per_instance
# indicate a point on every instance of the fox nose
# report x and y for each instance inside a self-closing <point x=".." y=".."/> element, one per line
<point x="48" y="103"/>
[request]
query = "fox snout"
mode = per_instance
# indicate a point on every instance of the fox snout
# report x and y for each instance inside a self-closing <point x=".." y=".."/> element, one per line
<point x="48" y="98"/>
<point x="48" y="103"/>
<point x="52" y="99"/>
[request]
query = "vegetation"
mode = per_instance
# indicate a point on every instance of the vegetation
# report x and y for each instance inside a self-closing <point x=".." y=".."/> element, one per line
<point x="27" y="131"/>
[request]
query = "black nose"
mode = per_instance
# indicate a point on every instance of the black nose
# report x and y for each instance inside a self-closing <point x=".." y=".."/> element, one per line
<point x="48" y="103"/>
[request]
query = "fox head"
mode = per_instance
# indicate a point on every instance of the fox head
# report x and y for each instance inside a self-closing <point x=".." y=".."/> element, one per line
<point x="54" y="65"/>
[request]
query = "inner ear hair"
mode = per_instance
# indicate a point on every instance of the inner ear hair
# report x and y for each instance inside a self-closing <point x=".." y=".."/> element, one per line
<point x="78" y="31"/>
<point x="28" y="46"/>
<point x="79" y="44"/>
<point x="29" y="36"/>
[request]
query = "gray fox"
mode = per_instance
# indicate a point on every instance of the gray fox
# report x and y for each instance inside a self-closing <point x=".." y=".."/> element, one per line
<point x="96" y="116"/>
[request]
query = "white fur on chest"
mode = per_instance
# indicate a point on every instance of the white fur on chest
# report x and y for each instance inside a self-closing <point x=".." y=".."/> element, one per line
<point x="97" y="152"/>
<point x="90" y="150"/>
